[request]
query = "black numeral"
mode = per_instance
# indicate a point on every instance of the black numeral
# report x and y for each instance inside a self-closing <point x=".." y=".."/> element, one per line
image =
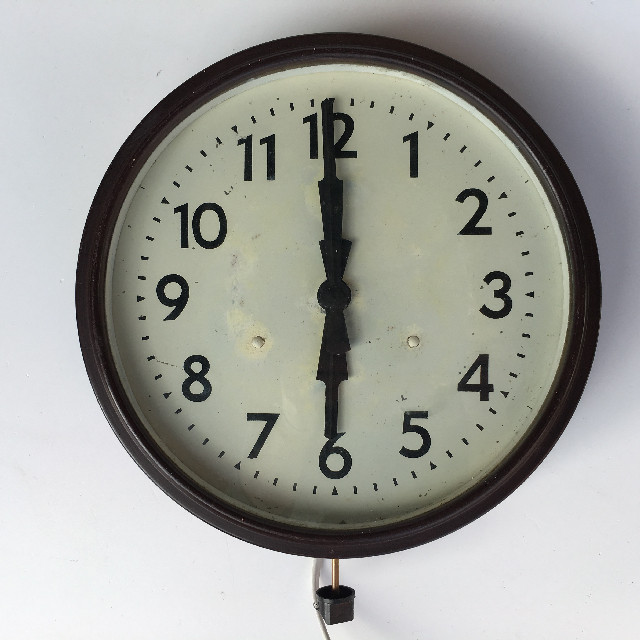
<point x="312" y="120"/>
<point x="484" y="388"/>
<point x="329" y="449"/>
<point x="196" y="376"/>
<point x="412" y="139"/>
<point x="470" y="229"/>
<point x="500" y="294"/>
<point x="183" y="210"/>
<point x="344" y="138"/>
<point x="270" y="141"/>
<point x="269" y="419"/>
<point x="248" y="156"/>
<point x="178" y="303"/>
<point x="407" y="427"/>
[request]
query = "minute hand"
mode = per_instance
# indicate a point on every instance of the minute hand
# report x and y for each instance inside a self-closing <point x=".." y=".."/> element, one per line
<point x="333" y="295"/>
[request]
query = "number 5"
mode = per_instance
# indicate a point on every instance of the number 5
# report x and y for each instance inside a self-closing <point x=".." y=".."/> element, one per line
<point x="407" y="427"/>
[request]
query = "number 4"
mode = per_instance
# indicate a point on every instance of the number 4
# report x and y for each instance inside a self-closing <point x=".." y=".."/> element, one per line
<point x="484" y="388"/>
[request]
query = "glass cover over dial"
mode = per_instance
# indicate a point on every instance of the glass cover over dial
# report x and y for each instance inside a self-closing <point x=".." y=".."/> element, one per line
<point x="455" y="296"/>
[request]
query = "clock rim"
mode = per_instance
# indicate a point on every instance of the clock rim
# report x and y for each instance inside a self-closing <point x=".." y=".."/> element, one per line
<point x="584" y="274"/>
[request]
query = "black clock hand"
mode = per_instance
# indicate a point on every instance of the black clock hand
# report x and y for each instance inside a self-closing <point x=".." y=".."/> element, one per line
<point x="333" y="295"/>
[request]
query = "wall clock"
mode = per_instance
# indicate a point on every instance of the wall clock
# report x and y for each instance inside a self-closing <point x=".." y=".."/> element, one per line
<point x="338" y="295"/>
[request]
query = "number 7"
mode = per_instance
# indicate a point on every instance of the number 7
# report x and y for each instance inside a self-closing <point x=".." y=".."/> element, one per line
<point x="270" y="420"/>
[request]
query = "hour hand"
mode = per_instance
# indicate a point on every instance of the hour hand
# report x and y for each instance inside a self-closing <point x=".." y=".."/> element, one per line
<point x="332" y="370"/>
<point x="332" y="363"/>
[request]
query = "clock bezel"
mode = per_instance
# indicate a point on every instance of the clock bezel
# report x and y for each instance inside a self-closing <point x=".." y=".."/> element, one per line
<point x="378" y="51"/>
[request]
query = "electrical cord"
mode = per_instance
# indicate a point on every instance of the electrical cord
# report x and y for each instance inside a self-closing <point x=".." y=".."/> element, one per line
<point x="315" y="585"/>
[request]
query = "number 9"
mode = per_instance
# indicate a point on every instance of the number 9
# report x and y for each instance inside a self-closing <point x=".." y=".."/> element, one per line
<point x="180" y="302"/>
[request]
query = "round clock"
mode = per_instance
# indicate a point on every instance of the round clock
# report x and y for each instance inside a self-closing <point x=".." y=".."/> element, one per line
<point x="338" y="295"/>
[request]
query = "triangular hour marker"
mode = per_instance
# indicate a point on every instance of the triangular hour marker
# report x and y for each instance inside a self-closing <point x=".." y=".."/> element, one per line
<point x="502" y="195"/>
<point x="237" y="466"/>
<point x="433" y="466"/>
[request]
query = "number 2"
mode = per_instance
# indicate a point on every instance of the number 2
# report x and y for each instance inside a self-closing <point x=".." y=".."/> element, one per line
<point x="471" y="228"/>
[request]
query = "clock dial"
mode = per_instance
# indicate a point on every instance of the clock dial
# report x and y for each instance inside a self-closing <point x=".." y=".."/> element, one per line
<point x="338" y="298"/>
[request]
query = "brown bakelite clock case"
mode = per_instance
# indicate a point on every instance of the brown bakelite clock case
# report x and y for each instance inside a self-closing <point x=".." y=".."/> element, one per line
<point x="338" y="295"/>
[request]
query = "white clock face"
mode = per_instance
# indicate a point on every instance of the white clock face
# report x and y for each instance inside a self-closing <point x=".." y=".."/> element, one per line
<point x="460" y="297"/>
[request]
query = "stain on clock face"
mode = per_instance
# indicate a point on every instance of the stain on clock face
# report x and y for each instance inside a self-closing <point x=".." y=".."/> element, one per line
<point x="338" y="296"/>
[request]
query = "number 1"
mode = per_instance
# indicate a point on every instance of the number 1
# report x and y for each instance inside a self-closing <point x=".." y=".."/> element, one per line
<point x="412" y="139"/>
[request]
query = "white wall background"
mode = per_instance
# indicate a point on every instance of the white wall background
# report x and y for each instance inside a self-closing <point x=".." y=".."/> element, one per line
<point x="89" y="548"/>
